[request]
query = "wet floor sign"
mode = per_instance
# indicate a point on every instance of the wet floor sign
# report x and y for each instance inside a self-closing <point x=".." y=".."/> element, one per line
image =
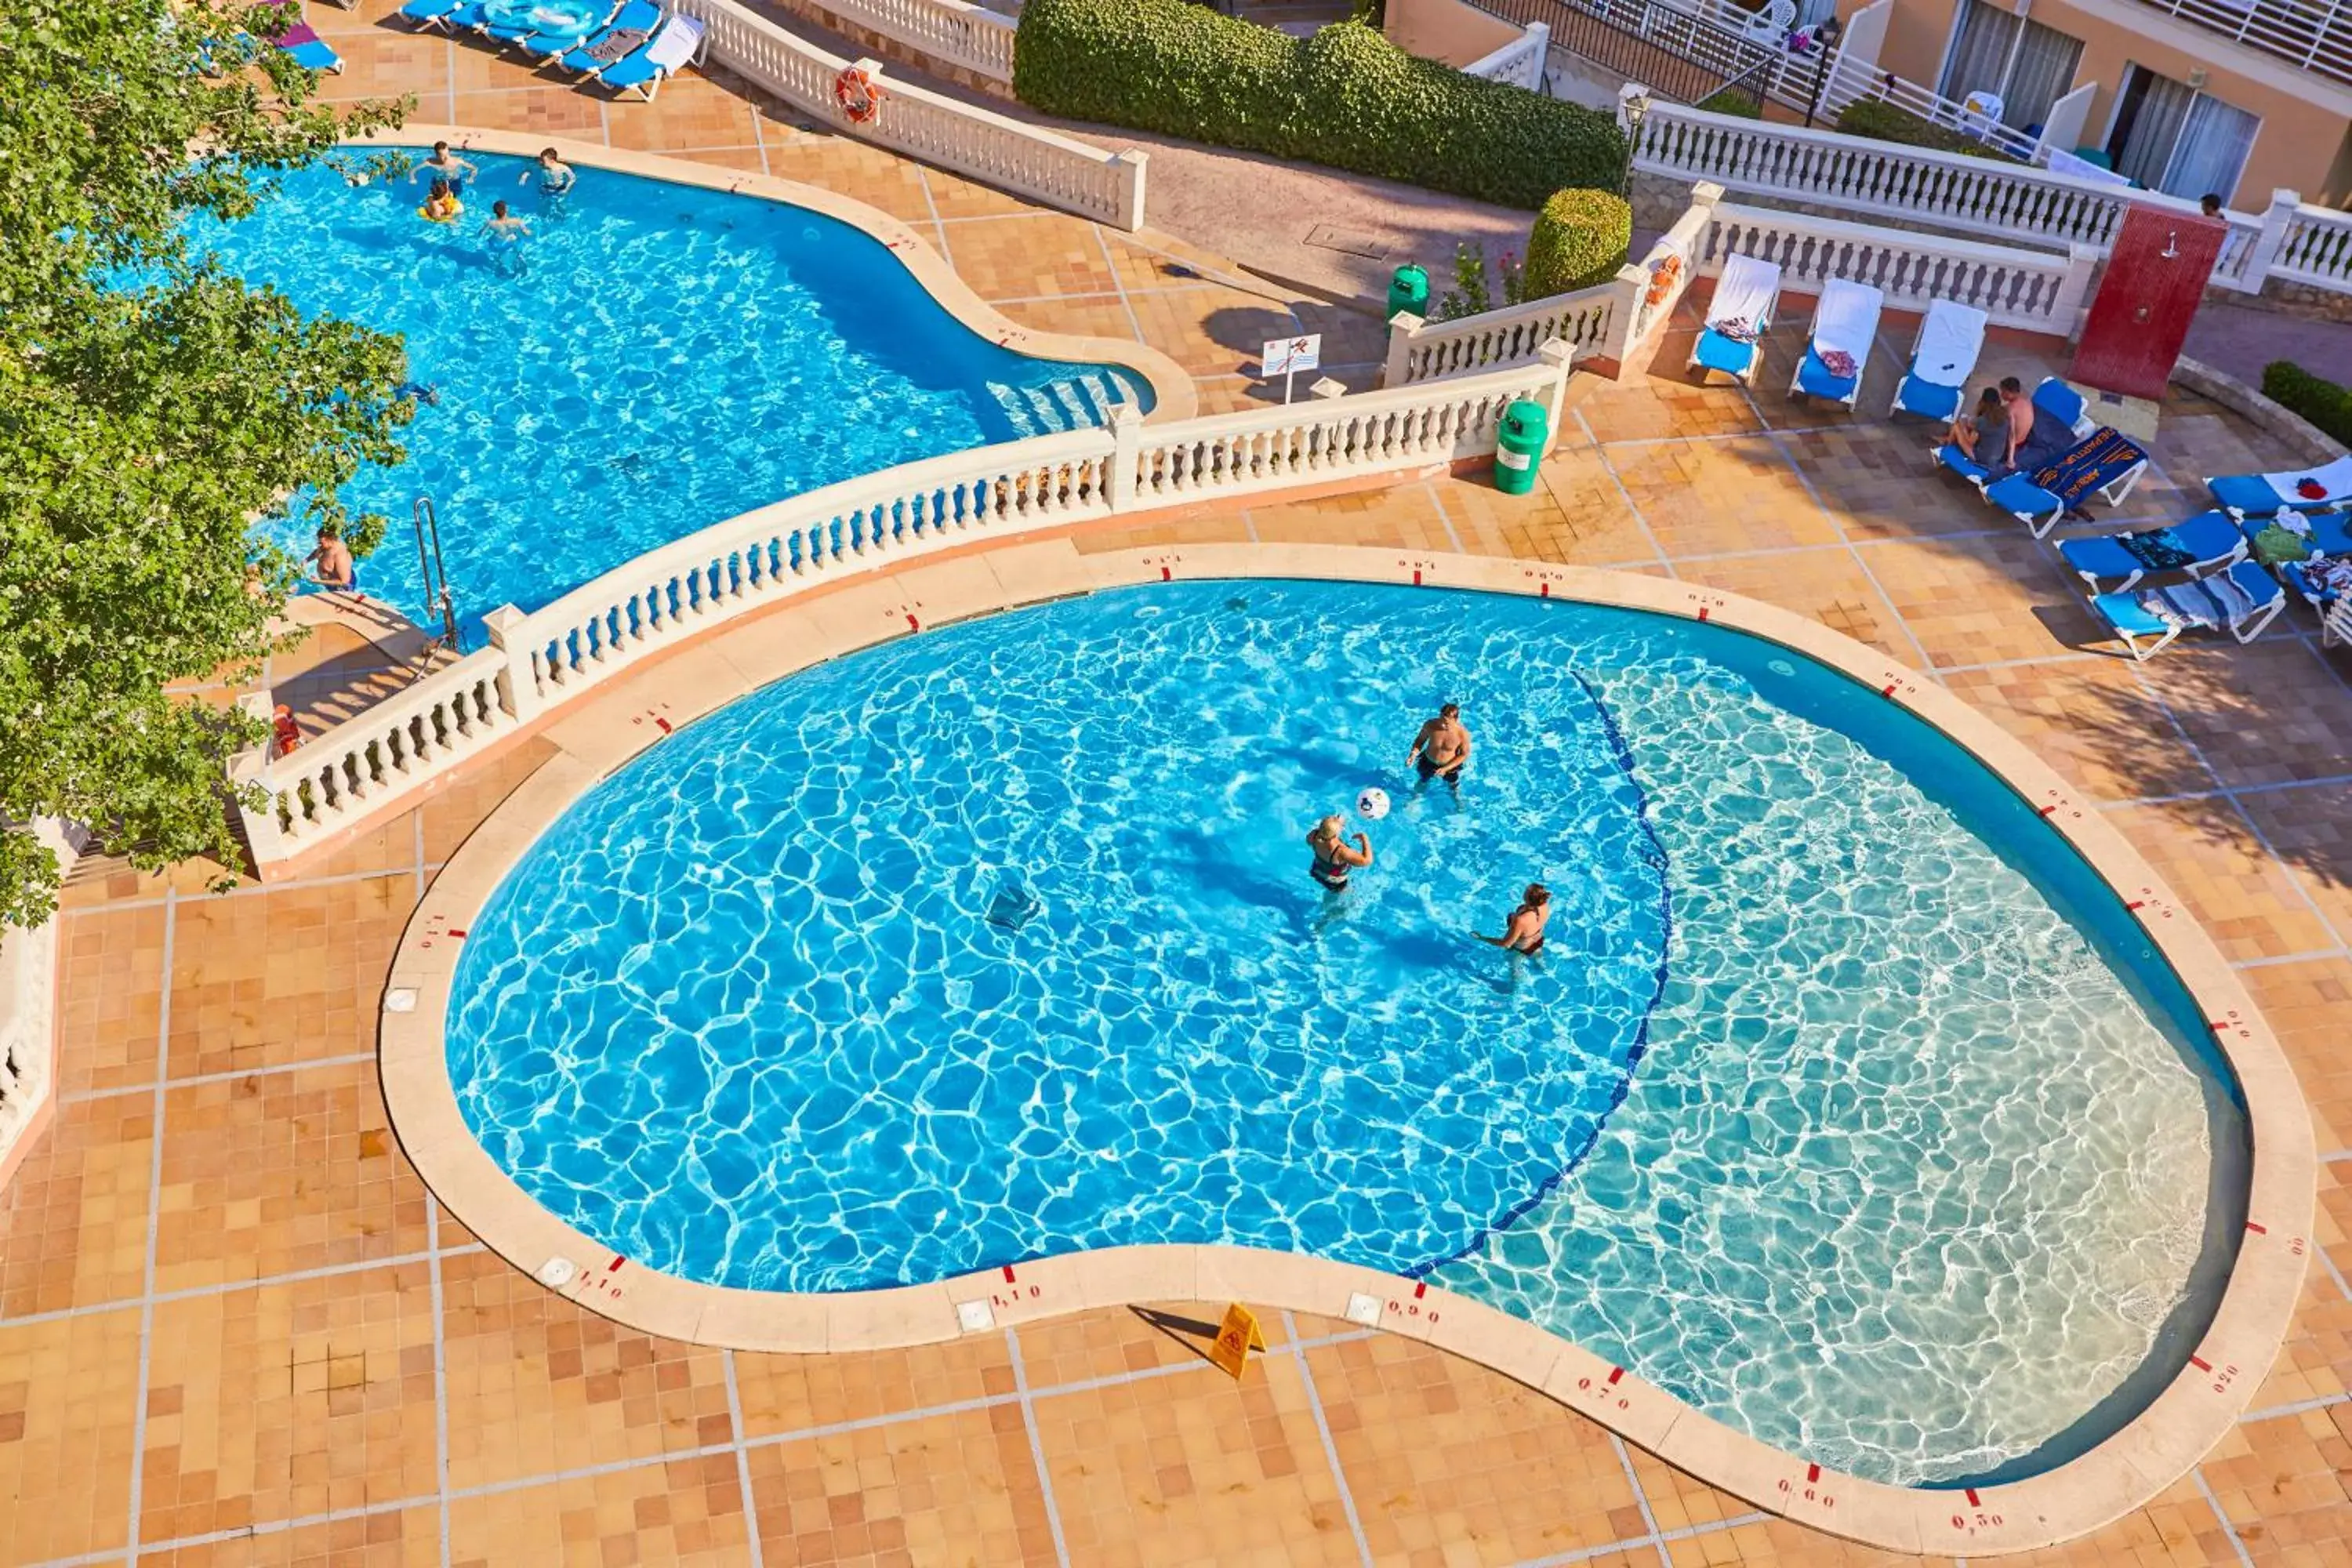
<point x="1236" y="1337"/>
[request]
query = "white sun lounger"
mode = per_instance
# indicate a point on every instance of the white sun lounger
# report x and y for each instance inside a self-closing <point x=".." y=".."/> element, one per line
<point x="1936" y="383"/>
<point x="1744" y="299"/>
<point x="1845" y="320"/>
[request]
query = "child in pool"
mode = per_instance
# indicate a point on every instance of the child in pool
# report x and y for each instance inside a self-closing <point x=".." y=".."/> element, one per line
<point x="442" y="204"/>
<point x="556" y="178"/>
<point x="503" y="224"/>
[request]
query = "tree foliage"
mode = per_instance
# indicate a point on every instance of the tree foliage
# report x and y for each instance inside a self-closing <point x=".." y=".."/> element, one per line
<point x="152" y="407"/>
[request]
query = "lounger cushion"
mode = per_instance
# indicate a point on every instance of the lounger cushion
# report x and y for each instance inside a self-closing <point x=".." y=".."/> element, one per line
<point x="1814" y="380"/>
<point x="2247" y="493"/>
<point x="1952" y="458"/>
<point x="2021" y="495"/>
<point x="1728" y="355"/>
<point x="2123" y="612"/>
<point x="316" y="54"/>
<point x="2060" y="401"/>
<point x="1927" y="399"/>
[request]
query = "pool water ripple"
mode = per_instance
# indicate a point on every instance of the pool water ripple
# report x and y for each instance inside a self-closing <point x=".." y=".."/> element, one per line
<point x="997" y="941"/>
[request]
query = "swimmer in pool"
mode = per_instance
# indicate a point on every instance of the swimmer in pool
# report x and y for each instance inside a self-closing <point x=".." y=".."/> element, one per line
<point x="1334" y="855"/>
<point x="1524" y="932"/>
<point x="1442" y="750"/>
<point x="442" y="206"/>
<point x="556" y="178"/>
<point x="504" y="225"/>
<point x="446" y="165"/>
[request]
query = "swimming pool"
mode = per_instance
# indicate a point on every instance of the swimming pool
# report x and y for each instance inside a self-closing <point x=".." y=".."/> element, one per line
<point x="1845" y="1103"/>
<point x="652" y="359"/>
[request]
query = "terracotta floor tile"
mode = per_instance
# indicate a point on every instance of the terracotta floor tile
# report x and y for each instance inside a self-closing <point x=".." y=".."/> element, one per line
<point x="1831" y="586"/>
<point x="687" y="1512"/>
<point x="2211" y="859"/>
<point x="73" y="1223"/>
<point x="2094" y="720"/>
<point x="1980" y="599"/>
<point x="111" y="978"/>
<point x="1708" y="497"/>
<point x="272" y="977"/>
<point x="941" y="1489"/>
<point x="2271" y="713"/>
<point x="70" y="1391"/>
<point x="400" y="1538"/>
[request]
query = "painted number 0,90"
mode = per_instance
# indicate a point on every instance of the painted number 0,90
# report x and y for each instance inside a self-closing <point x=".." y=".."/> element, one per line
<point x="1410" y="1309"/>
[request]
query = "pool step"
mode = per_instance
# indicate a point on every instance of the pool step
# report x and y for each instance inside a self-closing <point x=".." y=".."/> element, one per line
<point x="1073" y="403"/>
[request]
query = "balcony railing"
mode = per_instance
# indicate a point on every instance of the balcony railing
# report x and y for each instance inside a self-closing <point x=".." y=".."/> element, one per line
<point x="1677" y="52"/>
<point x="2316" y="37"/>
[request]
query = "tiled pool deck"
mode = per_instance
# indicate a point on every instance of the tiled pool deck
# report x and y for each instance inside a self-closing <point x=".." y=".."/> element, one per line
<point x="236" y="1328"/>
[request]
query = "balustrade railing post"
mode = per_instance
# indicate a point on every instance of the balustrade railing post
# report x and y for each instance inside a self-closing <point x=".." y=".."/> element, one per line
<point x="1557" y="357"/>
<point x="519" y="691"/>
<point x="1129" y="168"/>
<point x="2074" y="290"/>
<point x="262" y="833"/>
<point x="1403" y="328"/>
<point x="1631" y="284"/>
<point x="1126" y="427"/>
<point x="2266" y="252"/>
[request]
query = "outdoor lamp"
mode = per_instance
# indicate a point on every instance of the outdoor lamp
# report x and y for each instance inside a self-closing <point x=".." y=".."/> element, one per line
<point x="1636" y="106"/>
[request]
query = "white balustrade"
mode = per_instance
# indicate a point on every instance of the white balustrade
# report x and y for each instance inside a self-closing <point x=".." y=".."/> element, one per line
<point x="2314" y="243"/>
<point x="1026" y="159"/>
<point x="2035" y="290"/>
<point x="1519" y="62"/>
<point x="953" y="31"/>
<point x="28" y="971"/>
<point x="1587" y="320"/>
<point x="550" y="656"/>
<point x="1888" y="180"/>
<point x="2316" y="37"/>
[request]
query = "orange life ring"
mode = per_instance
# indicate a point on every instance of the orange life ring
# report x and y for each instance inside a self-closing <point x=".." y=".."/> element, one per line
<point x="859" y="97"/>
<point x="1661" y="280"/>
<point x="284" y="730"/>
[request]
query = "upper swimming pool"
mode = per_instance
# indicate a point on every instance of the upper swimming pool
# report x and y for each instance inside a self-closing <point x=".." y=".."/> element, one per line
<point x="1846" y="1103"/>
<point x="652" y="359"/>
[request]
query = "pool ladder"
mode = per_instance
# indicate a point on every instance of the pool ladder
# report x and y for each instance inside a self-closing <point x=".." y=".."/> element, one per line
<point x="432" y="572"/>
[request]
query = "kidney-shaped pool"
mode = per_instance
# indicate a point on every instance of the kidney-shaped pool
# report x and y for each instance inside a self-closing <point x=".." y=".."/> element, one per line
<point x="1843" y="1101"/>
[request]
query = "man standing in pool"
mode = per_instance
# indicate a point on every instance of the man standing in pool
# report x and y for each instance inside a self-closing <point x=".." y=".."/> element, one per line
<point x="444" y="164"/>
<point x="1442" y="750"/>
<point x="1524" y="932"/>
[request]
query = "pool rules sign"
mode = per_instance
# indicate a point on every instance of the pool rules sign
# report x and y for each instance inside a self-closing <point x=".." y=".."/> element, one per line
<point x="1286" y="357"/>
<point x="1236" y="1337"/>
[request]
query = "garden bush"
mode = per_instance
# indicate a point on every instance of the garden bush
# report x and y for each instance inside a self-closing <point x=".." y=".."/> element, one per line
<point x="1733" y="101"/>
<point x="1346" y="98"/>
<point x="1580" y="238"/>
<point x="1885" y="122"/>
<point x="2317" y="399"/>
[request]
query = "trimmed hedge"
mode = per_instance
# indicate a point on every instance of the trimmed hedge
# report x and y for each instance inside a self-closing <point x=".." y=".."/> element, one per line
<point x="1346" y="98"/>
<point x="1580" y="238"/>
<point x="1885" y="122"/>
<point x="2317" y="399"/>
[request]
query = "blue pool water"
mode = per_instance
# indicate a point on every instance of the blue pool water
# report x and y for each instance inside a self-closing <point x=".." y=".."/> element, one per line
<point x="651" y="360"/>
<point x="1843" y="1101"/>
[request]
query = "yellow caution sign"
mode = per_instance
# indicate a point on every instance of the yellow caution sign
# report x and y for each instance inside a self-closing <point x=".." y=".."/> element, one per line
<point x="1236" y="1337"/>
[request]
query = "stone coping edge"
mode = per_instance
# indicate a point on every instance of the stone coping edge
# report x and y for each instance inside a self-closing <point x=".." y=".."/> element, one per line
<point x="1173" y="395"/>
<point x="2127" y="1470"/>
<point x="2311" y="444"/>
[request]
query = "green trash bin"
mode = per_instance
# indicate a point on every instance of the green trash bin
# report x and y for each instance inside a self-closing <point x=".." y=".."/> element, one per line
<point x="1518" y="446"/>
<point x="1409" y="291"/>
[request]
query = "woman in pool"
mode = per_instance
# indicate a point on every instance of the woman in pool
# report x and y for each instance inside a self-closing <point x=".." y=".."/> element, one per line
<point x="1524" y="932"/>
<point x="442" y="206"/>
<point x="1334" y="855"/>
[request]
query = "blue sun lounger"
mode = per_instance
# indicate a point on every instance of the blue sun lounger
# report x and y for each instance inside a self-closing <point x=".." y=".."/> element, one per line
<point x="2241" y="600"/>
<point x="1935" y="381"/>
<point x="2204" y="545"/>
<point x="635" y="17"/>
<point x="442" y="13"/>
<point x="675" y="44"/>
<point x="554" y="46"/>
<point x="2267" y="494"/>
<point x="1737" y="316"/>
<point x="1845" y="320"/>
<point x="2015" y="494"/>
<point x="2330" y="534"/>
<point x="300" y="40"/>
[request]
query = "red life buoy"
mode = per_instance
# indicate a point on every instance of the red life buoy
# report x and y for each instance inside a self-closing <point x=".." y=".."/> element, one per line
<point x="287" y="732"/>
<point x="859" y="97"/>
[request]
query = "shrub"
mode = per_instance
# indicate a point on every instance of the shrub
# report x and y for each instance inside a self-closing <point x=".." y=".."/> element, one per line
<point x="1732" y="101"/>
<point x="1346" y="98"/>
<point x="2317" y="399"/>
<point x="1580" y="238"/>
<point x="1885" y="122"/>
<point x="1470" y="296"/>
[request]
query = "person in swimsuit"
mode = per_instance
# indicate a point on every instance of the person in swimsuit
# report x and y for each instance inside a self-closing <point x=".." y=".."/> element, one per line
<point x="1524" y="932"/>
<point x="336" y="572"/>
<point x="1442" y="750"/>
<point x="442" y="206"/>
<point x="446" y="165"/>
<point x="1334" y="855"/>
<point x="556" y="178"/>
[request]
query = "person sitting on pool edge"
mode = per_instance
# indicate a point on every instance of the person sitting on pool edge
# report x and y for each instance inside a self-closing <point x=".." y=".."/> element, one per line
<point x="1524" y="932"/>
<point x="448" y="167"/>
<point x="1442" y="750"/>
<point x="1334" y="855"/>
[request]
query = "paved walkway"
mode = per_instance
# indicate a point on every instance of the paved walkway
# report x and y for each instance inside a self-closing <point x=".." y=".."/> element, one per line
<point x="2239" y="340"/>
<point x="234" y="1329"/>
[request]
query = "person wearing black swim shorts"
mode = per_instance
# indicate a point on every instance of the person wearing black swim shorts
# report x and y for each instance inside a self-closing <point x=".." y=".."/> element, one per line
<point x="1442" y="750"/>
<point x="1524" y="932"/>
<point x="1334" y="855"/>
